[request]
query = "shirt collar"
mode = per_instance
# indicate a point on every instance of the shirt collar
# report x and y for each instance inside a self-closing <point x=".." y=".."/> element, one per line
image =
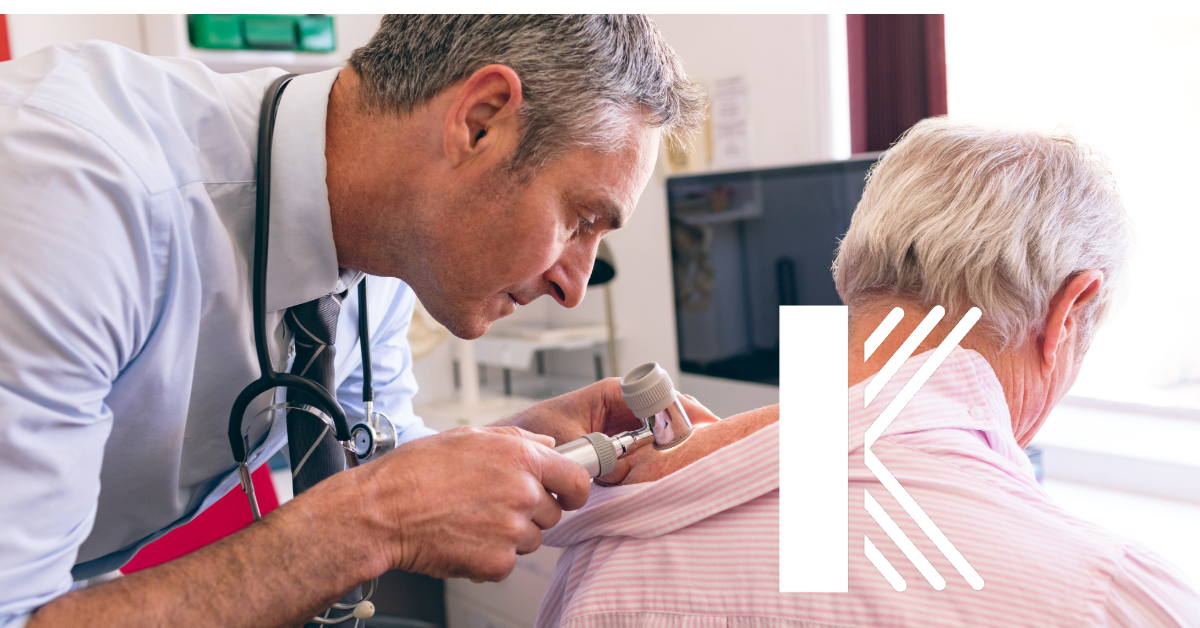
<point x="301" y="258"/>
<point x="963" y="393"/>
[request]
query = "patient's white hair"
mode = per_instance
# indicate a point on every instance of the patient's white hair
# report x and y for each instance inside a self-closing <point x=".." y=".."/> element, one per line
<point x="960" y="216"/>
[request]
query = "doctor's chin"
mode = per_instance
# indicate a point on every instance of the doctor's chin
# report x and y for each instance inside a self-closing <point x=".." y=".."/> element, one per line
<point x="599" y="321"/>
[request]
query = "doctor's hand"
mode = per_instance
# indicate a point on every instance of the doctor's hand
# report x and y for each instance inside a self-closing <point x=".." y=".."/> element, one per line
<point x="466" y="502"/>
<point x="595" y="408"/>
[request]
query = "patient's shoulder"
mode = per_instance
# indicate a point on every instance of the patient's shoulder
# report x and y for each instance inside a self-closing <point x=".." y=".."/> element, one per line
<point x="649" y="464"/>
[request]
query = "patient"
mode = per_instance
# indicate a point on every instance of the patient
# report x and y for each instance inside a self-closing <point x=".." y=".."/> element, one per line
<point x="1024" y="226"/>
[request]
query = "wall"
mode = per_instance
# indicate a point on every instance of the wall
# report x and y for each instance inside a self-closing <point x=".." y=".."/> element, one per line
<point x="785" y="61"/>
<point x="28" y="33"/>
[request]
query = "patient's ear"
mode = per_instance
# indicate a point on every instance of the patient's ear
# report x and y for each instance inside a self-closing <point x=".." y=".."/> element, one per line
<point x="1062" y="321"/>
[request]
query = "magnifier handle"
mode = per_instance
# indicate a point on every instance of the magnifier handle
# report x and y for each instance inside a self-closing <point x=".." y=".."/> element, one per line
<point x="596" y="452"/>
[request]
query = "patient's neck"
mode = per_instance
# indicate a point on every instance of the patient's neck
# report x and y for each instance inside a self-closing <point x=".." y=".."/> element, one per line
<point x="865" y="319"/>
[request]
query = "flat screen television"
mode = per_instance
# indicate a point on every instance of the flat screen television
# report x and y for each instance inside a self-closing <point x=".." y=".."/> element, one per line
<point x="744" y="243"/>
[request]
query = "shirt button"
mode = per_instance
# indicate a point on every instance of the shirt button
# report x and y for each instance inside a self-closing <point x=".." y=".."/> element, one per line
<point x="977" y="412"/>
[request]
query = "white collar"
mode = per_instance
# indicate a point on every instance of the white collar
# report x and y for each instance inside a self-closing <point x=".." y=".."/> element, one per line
<point x="301" y="257"/>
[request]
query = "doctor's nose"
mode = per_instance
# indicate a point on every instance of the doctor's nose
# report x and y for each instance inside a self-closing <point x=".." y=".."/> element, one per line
<point x="569" y="277"/>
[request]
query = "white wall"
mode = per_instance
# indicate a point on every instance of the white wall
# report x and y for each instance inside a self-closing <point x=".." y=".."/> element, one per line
<point x="785" y="61"/>
<point x="28" y="33"/>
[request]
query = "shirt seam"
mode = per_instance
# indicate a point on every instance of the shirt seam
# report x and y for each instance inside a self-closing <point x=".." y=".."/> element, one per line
<point x="35" y="92"/>
<point x="1110" y="587"/>
<point x="108" y="145"/>
<point x="146" y="187"/>
<point x="152" y="218"/>
<point x="25" y="102"/>
<point x="21" y="98"/>
<point x="939" y="460"/>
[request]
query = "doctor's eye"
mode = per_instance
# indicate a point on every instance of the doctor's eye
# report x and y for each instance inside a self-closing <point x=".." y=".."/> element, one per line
<point x="587" y="224"/>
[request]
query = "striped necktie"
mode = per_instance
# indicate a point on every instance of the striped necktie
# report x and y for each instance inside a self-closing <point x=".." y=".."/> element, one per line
<point x="312" y="445"/>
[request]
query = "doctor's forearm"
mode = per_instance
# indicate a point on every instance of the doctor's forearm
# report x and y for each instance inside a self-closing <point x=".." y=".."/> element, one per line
<point x="462" y="503"/>
<point x="278" y="572"/>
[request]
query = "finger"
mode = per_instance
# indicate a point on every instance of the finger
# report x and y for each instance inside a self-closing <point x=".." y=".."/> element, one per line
<point x="530" y="540"/>
<point x="697" y="413"/>
<point x="547" y="511"/>
<point x="496" y="566"/>
<point x="616" y="415"/>
<point x="561" y="476"/>
<point x="513" y="430"/>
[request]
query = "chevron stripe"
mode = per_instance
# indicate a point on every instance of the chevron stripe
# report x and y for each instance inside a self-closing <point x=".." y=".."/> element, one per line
<point x="297" y="322"/>
<point x="902" y="354"/>
<point x="922" y="375"/>
<point x="889" y="481"/>
<point x="902" y="541"/>
<point x="882" y="332"/>
<point x="881" y="563"/>
<point x="923" y="521"/>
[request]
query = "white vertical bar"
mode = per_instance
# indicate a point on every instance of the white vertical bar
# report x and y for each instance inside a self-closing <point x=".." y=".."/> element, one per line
<point x="839" y="85"/>
<point x="813" y="462"/>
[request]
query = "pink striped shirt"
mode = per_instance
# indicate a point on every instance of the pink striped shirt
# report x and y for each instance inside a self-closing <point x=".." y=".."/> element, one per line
<point x="700" y="547"/>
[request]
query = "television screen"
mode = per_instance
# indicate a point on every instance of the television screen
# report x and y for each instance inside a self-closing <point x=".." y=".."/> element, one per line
<point x="744" y="243"/>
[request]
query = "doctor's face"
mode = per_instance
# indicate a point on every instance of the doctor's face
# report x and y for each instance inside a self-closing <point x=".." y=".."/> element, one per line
<point x="504" y="241"/>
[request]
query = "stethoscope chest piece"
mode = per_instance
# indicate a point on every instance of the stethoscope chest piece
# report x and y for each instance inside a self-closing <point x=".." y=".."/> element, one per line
<point x="374" y="437"/>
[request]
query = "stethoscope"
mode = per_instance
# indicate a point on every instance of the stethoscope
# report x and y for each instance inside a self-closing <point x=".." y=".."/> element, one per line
<point x="376" y="435"/>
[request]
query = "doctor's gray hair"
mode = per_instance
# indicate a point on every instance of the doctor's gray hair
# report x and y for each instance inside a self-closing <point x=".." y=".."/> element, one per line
<point x="582" y="76"/>
<point x="960" y="216"/>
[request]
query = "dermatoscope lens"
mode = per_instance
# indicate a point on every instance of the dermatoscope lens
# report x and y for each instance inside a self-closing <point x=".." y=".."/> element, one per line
<point x="650" y="394"/>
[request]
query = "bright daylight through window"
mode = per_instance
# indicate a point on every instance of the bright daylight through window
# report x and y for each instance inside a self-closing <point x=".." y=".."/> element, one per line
<point x="1128" y="86"/>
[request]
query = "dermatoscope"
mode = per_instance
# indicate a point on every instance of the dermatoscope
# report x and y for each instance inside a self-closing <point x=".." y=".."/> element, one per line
<point x="649" y="393"/>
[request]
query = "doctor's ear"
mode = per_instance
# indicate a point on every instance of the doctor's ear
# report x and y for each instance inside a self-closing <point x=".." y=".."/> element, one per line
<point x="484" y="116"/>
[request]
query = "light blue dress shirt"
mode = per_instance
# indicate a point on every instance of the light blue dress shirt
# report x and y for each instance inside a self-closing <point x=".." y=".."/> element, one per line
<point x="126" y="227"/>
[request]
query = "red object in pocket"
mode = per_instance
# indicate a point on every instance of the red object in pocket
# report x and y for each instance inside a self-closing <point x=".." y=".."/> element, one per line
<point x="230" y="514"/>
<point x="5" y="53"/>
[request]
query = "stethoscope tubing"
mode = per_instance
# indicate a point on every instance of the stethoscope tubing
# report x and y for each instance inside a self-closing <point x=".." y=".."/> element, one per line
<point x="269" y="378"/>
<point x="321" y="401"/>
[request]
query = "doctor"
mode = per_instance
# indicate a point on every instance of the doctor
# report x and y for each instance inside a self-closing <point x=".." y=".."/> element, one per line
<point x="473" y="161"/>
